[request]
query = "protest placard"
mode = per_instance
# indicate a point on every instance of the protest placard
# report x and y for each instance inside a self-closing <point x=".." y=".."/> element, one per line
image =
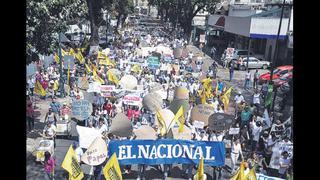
<point x="87" y="136"/>
<point x="277" y="149"/>
<point x="106" y="90"/>
<point x="153" y="62"/>
<point x="96" y="152"/>
<point x="83" y="83"/>
<point x="132" y="99"/>
<point x="47" y="60"/>
<point x="198" y="124"/>
<point x="128" y="82"/>
<point x="81" y="109"/>
<point x="220" y="121"/>
<point x="167" y="151"/>
<point x="234" y="131"/>
<point x="201" y="113"/>
<point x="94" y="87"/>
<point x="121" y="126"/>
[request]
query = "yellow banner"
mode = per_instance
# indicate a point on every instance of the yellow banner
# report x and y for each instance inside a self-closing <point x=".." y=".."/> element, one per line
<point x="70" y="164"/>
<point x="112" y="169"/>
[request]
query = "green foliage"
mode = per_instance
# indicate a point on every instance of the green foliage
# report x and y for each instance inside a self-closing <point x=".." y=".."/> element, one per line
<point x="46" y="18"/>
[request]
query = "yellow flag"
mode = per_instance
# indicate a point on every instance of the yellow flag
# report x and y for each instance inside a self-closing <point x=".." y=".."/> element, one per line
<point x="63" y="52"/>
<point x="240" y="174"/>
<point x="163" y="128"/>
<point x="88" y="69"/>
<point x="135" y="68"/>
<point x="93" y="67"/>
<point x="79" y="56"/>
<point x="70" y="164"/>
<point x="38" y="89"/>
<point x="56" y="58"/>
<point x="206" y="83"/>
<point x="101" y="55"/>
<point x="71" y="52"/>
<point x="179" y="114"/>
<point x="112" y="77"/>
<point x="251" y="175"/>
<point x="200" y="172"/>
<point x="97" y="78"/>
<point x="56" y="85"/>
<point x="225" y="98"/>
<point x="112" y="169"/>
<point x="203" y="96"/>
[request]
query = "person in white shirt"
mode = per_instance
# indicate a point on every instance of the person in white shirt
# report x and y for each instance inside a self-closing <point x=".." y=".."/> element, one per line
<point x="50" y="132"/>
<point x="235" y="152"/>
<point x="218" y="109"/>
<point x="31" y="84"/>
<point x="78" y="151"/>
<point x="102" y="127"/>
<point x="238" y="99"/>
<point x="256" y="100"/>
<point x="247" y="80"/>
<point x="256" y="129"/>
<point x="284" y="162"/>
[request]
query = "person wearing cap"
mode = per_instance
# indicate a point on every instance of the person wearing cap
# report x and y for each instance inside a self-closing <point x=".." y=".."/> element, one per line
<point x="50" y="117"/>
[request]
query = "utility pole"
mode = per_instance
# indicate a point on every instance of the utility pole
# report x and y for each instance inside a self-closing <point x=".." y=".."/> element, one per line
<point x="249" y="45"/>
<point x="275" y="55"/>
<point x="61" y="70"/>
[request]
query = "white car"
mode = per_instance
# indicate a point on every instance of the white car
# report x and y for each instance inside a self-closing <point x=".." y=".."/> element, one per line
<point x="254" y="63"/>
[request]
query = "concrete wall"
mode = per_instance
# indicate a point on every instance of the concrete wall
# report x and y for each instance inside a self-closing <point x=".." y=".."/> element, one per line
<point x="238" y="25"/>
<point x="268" y="26"/>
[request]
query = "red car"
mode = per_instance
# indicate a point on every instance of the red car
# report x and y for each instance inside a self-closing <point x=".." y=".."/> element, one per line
<point x="277" y="73"/>
<point x="283" y="79"/>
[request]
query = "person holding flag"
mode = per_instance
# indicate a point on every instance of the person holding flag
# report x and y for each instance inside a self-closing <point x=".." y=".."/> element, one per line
<point x="72" y="166"/>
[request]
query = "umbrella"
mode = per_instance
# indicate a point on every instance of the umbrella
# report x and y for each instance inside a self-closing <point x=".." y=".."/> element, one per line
<point x="181" y="93"/>
<point x="185" y="135"/>
<point x="201" y="112"/>
<point x="145" y="132"/>
<point x="220" y="121"/>
<point x="121" y="126"/>
<point x="128" y="82"/>
<point x="152" y="101"/>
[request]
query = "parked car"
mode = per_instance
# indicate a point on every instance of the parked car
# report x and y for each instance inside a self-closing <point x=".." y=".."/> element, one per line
<point x="254" y="63"/>
<point x="277" y="73"/>
<point x="282" y="80"/>
<point x="237" y="53"/>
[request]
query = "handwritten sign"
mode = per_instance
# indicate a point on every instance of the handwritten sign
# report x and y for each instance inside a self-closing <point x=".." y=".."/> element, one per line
<point x="81" y="109"/>
<point x="96" y="154"/>
<point x="234" y="131"/>
<point x="198" y="124"/>
<point x="106" y="90"/>
<point x="264" y="177"/>
<point x="132" y="99"/>
<point x="94" y="87"/>
<point x="87" y="135"/>
<point x="277" y="150"/>
<point x="201" y="113"/>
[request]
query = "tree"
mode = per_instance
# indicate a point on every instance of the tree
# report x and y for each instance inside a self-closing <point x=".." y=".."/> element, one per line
<point x="123" y="8"/>
<point x="182" y="11"/>
<point x="45" y="19"/>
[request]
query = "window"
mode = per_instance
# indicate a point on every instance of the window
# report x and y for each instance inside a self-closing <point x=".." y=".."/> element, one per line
<point x="284" y="72"/>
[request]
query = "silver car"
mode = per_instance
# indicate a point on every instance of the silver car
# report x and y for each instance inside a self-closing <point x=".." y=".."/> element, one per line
<point x="254" y="63"/>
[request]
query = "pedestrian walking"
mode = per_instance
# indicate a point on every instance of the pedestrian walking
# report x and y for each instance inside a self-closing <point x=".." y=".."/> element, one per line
<point x="247" y="81"/>
<point x="255" y="79"/>
<point x="49" y="165"/>
<point x="235" y="152"/>
<point x="256" y="100"/>
<point x="264" y="90"/>
<point x="231" y="71"/>
<point x="30" y="117"/>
